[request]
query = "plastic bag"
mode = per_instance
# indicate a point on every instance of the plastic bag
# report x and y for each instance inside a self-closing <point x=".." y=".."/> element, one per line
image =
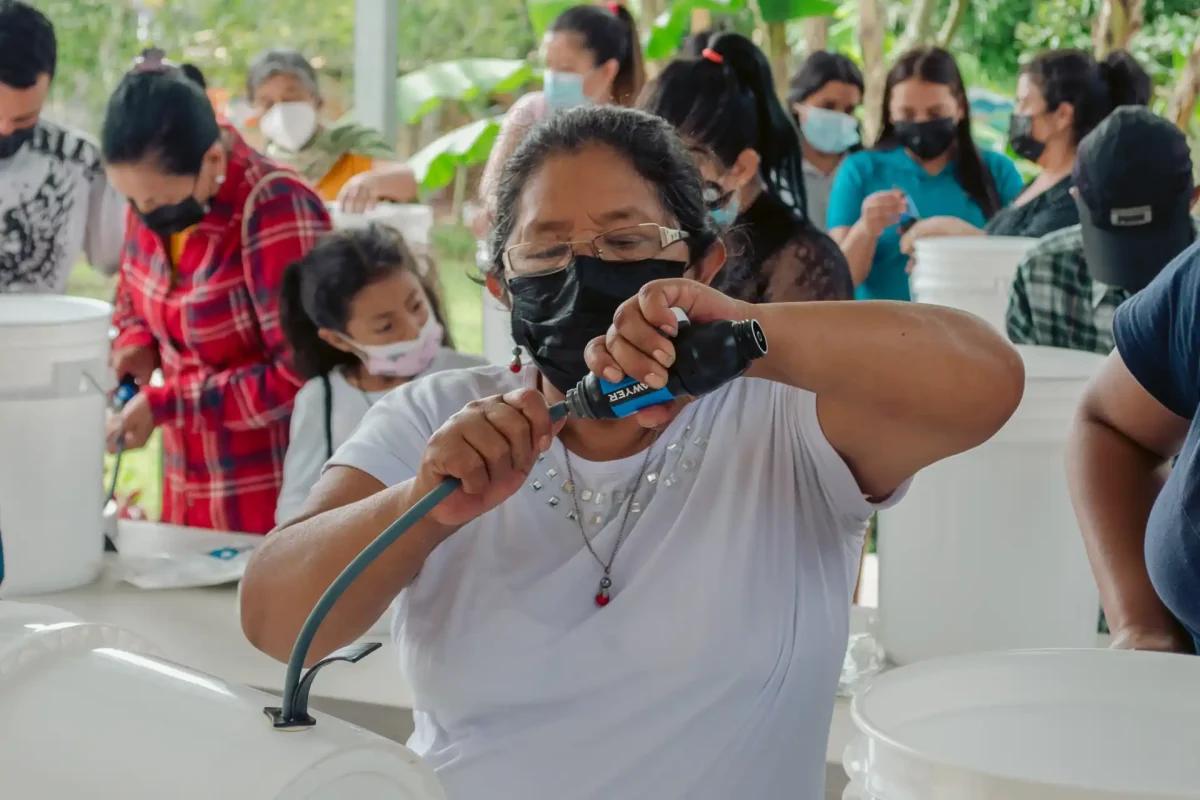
<point x="182" y="570"/>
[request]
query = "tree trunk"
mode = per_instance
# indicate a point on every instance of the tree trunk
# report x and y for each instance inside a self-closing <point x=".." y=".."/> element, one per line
<point x="954" y="19"/>
<point x="1115" y="25"/>
<point x="919" y="29"/>
<point x="701" y="20"/>
<point x="1182" y="106"/>
<point x="816" y="35"/>
<point x="870" y="34"/>
<point x="779" y="54"/>
<point x="650" y="11"/>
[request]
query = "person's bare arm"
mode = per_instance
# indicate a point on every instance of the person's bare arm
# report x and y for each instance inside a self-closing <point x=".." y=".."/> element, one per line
<point x="523" y="115"/>
<point x="1117" y="461"/>
<point x="346" y="511"/>
<point x="858" y="245"/>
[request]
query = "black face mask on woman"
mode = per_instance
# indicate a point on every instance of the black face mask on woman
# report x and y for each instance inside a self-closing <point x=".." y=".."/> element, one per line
<point x="554" y="316"/>
<point x="10" y="144"/>
<point x="1020" y="137"/>
<point x="176" y="218"/>
<point x="927" y="140"/>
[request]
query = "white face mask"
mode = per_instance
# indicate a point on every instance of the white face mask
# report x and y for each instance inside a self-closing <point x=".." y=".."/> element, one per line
<point x="403" y="359"/>
<point x="290" y="125"/>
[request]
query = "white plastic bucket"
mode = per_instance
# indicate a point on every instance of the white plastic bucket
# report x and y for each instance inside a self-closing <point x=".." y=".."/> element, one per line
<point x="88" y="712"/>
<point x="53" y="375"/>
<point x="1035" y="725"/>
<point x="413" y="220"/>
<point x="972" y="273"/>
<point x="984" y="553"/>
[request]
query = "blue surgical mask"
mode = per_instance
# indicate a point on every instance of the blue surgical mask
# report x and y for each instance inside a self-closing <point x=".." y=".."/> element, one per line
<point x="563" y="90"/>
<point x="726" y="215"/>
<point x="829" y="131"/>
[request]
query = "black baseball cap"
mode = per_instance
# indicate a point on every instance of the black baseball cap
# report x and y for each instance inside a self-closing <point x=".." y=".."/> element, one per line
<point x="1133" y="184"/>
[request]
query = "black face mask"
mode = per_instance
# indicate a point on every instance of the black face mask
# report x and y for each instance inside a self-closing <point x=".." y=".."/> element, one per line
<point x="169" y="220"/>
<point x="927" y="140"/>
<point x="555" y="316"/>
<point x="10" y="144"/>
<point x="1020" y="137"/>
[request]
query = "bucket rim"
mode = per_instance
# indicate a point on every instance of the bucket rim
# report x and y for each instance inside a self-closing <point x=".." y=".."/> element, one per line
<point x="869" y="729"/>
<point x="99" y="310"/>
<point x="989" y="243"/>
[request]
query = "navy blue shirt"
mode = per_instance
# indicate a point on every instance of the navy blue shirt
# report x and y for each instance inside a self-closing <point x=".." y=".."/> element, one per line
<point x="1157" y="333"/>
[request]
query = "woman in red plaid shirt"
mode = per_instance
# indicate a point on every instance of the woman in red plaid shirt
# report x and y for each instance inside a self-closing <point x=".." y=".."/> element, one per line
<point x="211" y="228"/>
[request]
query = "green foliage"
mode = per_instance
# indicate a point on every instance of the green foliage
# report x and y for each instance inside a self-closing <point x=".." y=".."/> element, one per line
<point x="467" y="81"/>
<point x="436" y="164"/>
<point x="542" y="12"/>
<point x="780" y="11"/>
<point x="666" y="34"/>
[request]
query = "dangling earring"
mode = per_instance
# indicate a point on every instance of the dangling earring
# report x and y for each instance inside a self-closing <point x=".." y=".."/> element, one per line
<point x="516" y="365"/>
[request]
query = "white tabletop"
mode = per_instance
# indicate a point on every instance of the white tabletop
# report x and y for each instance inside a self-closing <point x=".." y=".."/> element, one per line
<point x="199" y="628"/>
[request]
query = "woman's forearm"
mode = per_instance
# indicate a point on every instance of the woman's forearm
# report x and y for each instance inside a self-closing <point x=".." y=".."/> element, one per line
<point x="922" y="364"/>
<point x="1114" y="483"/>
<point x="296" y="564"/>
<point x="858" y="245"/>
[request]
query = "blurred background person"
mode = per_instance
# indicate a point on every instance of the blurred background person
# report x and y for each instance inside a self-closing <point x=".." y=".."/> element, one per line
<point x="824" y="95"/>
<point x="724" y="106"/>
<point x="55" y="202"/>
<point x="344" y="161"/>
<point x="1062" y="95"/>
<point x="925" y="164"/>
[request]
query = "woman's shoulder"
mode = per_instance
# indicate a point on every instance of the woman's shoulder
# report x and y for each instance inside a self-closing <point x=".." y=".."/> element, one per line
<point x="448" y="358"/>
<point x="998" y="163"/>
<point x="440" y="394"/>
<point x="527" y="111"/>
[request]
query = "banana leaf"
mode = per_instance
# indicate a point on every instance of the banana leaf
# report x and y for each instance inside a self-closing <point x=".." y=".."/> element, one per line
<point x="773" y="11"/>
<point x="466" y="80"/>
<point x="542" y="12"/>
<point x="667" y="32"/>
<point x="436" y="164"/>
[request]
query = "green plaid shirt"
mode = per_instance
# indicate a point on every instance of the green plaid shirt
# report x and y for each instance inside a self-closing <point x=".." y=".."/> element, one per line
<point x="1054" y="301"/>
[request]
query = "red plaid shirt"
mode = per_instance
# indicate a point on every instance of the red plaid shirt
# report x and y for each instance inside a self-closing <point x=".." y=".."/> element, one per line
<point x="228" y="387"/>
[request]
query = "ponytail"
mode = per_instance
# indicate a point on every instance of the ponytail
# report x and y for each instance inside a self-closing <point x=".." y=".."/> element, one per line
<point x="631" y="75"/>
<point x="312" y="356"/>
<point x="1093" y="89"/>
<point x="725" y="101"/>
<point x="610" y="33"/>
<point x="1128" y="84"/>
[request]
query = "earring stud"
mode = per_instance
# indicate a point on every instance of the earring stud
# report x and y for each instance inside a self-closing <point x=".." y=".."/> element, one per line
<point x="515" y="366"/>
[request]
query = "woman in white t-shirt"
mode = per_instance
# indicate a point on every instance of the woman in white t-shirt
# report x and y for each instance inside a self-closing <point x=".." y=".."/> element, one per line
<point x="651" y="607"/>
<point x="362" y="318"/>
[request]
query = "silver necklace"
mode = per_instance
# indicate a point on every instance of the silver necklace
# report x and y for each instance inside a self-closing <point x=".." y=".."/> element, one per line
<point x="603" y="594"/>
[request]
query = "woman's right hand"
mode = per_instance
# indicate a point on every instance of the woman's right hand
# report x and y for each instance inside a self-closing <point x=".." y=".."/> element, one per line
<point x="139" y="361"/>
<point x="883" y="209"/>
<point x="1153" y="639"/>
<point x="491" y="446"/>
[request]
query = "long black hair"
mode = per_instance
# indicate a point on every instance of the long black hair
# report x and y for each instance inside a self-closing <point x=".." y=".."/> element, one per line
<point x="935" y="65"/>
<point x="1093" y="89"/>
<point x="725" y="101"/>
<point x="319" y="288"/>
<point x="610" y="34"/>
<point x="161" y="115"/>
<point x="649" y="144"/>
<point x="820" y="68"/>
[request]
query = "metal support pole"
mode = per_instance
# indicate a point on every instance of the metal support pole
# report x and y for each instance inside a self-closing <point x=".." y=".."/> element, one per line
<point x="376" y="31"/>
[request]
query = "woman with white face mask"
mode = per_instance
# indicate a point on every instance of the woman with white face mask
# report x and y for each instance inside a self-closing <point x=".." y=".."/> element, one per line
<point x="346" y="161"/>
<point x="823" y="95"/>
<point x="592" y="54"/>
<point x="362" y="318"/>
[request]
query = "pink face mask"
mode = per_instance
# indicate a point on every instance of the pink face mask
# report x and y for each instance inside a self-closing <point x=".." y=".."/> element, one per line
<point x="403" y="359"/>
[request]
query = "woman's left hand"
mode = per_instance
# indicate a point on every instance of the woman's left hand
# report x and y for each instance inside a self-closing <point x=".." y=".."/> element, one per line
<point x="133" y="425"/>
<point x="394" y="183"/>
<point x="639" y="345"/>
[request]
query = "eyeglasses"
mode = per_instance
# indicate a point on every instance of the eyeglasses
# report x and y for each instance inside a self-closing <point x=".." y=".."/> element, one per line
<point x="634" y="243"/>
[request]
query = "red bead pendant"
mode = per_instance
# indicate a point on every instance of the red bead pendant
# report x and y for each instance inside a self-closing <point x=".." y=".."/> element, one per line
<point x="602" y="598"/>
<point x="514" y="367"/>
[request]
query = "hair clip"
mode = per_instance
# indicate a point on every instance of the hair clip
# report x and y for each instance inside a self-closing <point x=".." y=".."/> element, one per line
<point x="615" y="8"/>
<point x="152" y="59"/>
<point x="712" y="55"/>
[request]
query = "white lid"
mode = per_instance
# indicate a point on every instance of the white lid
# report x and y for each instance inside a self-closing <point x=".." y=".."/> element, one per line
<point x="1051" y="363"/>
<point x="27" y="310"/>
<point x="964" y="245"/>
<point x="413" y="220"/>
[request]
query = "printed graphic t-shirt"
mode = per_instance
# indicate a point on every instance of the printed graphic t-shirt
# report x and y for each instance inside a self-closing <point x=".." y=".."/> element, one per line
<point x="55" y="207"/>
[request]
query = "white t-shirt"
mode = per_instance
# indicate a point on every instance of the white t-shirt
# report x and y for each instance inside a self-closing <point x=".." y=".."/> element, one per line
<point x="55" y="204"/>
<point x="712" y="673"/>
<point x="308" y="447"/>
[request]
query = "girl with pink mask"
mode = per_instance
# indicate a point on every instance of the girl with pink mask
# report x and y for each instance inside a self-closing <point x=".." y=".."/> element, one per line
<point x="362" y="318"/>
